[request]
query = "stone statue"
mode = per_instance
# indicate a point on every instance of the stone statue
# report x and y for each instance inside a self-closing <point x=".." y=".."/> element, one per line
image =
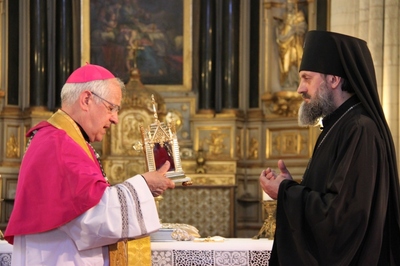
<point x="290" y="36"/>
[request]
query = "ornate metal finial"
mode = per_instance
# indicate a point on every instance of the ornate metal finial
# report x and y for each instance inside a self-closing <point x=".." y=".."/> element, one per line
<point x="153" y="101"/>
<point x="138" y="147"/>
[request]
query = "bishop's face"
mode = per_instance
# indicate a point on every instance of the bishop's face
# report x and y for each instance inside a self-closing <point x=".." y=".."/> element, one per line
<point x="104" y="112"/>
<point x="318" y="98"/>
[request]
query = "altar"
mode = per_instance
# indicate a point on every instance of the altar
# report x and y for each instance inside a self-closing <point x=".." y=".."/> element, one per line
<point x="232" y="251"/>
<point x="5" y="253"/>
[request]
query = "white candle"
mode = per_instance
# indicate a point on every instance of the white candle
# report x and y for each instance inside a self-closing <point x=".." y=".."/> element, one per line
<point x="266" y="197"/>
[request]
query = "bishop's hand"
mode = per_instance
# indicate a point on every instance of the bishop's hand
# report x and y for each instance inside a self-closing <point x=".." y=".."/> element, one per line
<point x="157" y="180"/>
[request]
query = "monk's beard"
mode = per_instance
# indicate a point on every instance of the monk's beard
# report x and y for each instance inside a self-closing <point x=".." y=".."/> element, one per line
<point x="322" y="105"/>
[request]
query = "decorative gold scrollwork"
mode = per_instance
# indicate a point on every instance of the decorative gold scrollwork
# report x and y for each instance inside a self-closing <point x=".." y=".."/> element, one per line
<point x="282" y="103"/>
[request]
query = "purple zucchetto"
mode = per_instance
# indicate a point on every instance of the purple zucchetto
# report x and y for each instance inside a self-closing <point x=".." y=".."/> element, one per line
<point x="88" y="73"/>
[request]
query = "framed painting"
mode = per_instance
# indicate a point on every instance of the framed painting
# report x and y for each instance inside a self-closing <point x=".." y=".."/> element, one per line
<point x="151" y="35"/>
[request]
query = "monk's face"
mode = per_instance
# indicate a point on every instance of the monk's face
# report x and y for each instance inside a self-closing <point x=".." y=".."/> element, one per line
<point x="318" y="98"/>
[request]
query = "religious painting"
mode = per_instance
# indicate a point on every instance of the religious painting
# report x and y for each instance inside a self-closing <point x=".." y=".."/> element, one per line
<point x="151" y="35"/>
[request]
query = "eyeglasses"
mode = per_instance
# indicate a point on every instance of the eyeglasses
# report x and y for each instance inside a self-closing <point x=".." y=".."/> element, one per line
<point x="113" y="108"/>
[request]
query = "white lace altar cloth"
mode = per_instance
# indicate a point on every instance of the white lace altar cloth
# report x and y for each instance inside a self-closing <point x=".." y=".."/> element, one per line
<point x="5" y="253"/>
<point x="232" y="251"/>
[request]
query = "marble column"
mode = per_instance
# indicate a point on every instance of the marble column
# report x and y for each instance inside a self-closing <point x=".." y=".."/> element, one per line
<point x="230" y="54"/>
<point x="63" y="44"/>
<point x="12" y="55"/>
<point x="38" y="53"/>
<point x="254" y="59"/>
<point x="219" y="55"/>
<point x="207" y="57"/>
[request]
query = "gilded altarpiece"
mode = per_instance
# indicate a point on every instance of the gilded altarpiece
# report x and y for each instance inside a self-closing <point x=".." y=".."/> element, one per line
<point x="212" y="192"/>
<point x="210" y="202"/>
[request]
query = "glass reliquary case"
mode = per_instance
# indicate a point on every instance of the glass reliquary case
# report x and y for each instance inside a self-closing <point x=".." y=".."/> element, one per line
<point x="160" y="144"/>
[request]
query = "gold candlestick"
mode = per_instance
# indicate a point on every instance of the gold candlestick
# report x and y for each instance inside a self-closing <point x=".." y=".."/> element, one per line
<point x="268" y="228"/>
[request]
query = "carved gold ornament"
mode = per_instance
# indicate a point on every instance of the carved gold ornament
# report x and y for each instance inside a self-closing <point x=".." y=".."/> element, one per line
<point x="12" y="150"/>
<point x="283" y="103"/>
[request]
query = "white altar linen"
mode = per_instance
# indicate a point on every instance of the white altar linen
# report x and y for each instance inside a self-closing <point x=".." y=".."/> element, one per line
<point x="233" y="251"/>
<point x="5" y="253"/>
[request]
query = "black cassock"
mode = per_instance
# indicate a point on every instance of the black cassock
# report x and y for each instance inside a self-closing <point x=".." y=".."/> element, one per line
<point x="339" y="214"/>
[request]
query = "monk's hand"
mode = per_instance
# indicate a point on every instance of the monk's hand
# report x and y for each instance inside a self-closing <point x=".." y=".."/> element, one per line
<point x="269" y="173"/>
<point x="284" y="174"/>
<point x="158" y="181"/>
<point x="270" y="180"/>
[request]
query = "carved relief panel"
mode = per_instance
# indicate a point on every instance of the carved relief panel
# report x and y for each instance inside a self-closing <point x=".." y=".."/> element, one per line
<point x="219" y="139"/>
<point x="14" y="143"/>
<point x="216" y="141"/>
<point x="179" y="111"/>
<point x="253" y="140"/>
<point x="126" y="133"/>
<point x="287" y="143"/>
